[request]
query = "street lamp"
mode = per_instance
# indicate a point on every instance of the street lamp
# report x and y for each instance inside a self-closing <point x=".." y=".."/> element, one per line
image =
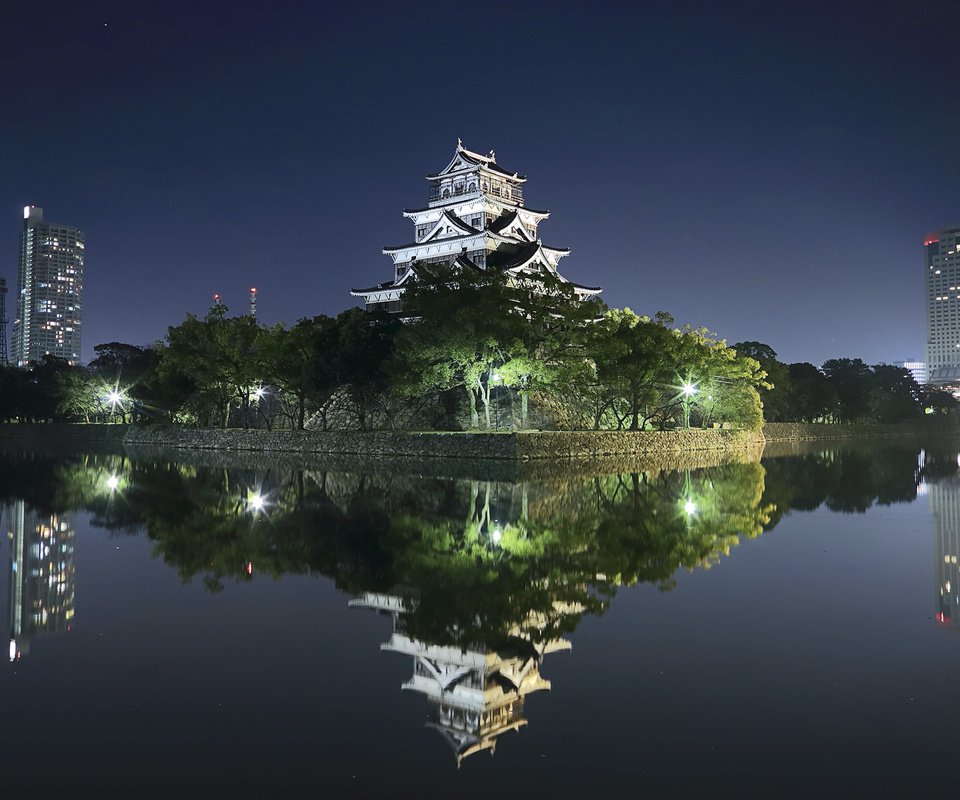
<point x="688" y="390"/>
<point x="494" y="380"/>
<point x="115" y="399"/>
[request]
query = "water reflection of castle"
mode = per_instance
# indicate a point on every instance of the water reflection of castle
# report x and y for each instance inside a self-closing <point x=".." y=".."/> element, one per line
<point x="42" y="574"/>
<point x="476" y="693"/>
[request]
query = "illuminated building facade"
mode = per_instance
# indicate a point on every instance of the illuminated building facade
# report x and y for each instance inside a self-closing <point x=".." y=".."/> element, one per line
<point x="42" y="575"/>
<point x="918" y="369"/>
<point x="477" y="693"/>
<point x="475" y="219"/>
<point x="942" y="265"/>
<point x="50" y="291"/>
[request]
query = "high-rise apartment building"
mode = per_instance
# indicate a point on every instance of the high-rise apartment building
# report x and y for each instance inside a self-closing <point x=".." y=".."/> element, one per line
<point x="942" y="262"/>
<point x="50" y="291"/>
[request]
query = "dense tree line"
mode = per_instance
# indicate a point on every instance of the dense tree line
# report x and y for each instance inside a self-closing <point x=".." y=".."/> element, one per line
<point x="842" y="390"/>
<point x="476" y="350"/>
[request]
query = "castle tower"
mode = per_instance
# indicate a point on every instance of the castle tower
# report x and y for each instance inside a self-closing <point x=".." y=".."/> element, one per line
<point x="475" y="217"/>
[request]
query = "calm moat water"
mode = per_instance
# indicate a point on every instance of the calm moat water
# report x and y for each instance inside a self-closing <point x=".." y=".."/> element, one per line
<point x="783" y="628"/>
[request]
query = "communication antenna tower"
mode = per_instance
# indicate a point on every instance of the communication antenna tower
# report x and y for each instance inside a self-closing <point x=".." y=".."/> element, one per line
<point x="253" y="302"/>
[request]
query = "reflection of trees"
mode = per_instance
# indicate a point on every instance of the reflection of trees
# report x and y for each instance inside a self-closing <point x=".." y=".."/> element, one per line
<point x="849" y="480"/>
<point x="482" y="578"/>
<point x="473" y="559"/>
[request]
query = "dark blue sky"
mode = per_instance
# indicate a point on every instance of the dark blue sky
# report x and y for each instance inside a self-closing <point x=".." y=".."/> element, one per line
<point x="765" y="169"/>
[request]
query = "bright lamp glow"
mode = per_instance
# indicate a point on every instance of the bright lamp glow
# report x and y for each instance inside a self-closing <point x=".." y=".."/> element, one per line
<point x="113" y="482"/>
<point x="689" y="389"/>
<point x="496" y="535"/>
<point x="257" y="502"/>
<point x="690" y="507"/>
<point x="259" y="392"/>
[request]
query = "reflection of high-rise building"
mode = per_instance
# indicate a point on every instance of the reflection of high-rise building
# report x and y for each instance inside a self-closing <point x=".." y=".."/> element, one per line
<point x="49" y="292"/>
<point x="476" y="693"/>
<point x="42" y="575"/>
<point x="945" y="505"/>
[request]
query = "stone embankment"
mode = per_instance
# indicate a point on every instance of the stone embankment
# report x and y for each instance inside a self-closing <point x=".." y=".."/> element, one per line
<point x="63" y="433"/>
<point x="410" y="448"/>
<point x="523" y="446"/>
<point x="801" y="431"/>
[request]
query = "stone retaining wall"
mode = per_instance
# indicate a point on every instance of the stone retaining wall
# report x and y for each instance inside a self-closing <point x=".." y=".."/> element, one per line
<point x="801" y="431"/>
<point x="395" y="444"/>
<point x="526" y="446"/>
<point x="63" y="432"/>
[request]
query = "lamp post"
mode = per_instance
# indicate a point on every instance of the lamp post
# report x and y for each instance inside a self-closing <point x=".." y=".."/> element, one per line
<point x="115" y="399"/>
<point x="688" y="391"/>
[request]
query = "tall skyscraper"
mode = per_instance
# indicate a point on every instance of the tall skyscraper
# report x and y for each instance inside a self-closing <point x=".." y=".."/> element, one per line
<point x="942" y="261"/>
<point x="50" y="291"/>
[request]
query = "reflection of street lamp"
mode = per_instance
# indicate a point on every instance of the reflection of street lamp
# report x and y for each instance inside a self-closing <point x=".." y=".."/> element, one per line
<point x="256" y="502"/>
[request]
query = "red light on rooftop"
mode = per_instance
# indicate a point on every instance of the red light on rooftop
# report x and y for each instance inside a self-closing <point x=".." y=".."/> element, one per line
<point x="932" y="238"/>
<point x="253" y="290"/>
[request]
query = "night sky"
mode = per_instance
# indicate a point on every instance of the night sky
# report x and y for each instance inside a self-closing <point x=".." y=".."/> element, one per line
<point x="767" y="170"/>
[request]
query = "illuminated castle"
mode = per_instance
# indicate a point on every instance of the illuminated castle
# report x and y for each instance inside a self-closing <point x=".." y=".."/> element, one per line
<point x="475" y="219"/>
